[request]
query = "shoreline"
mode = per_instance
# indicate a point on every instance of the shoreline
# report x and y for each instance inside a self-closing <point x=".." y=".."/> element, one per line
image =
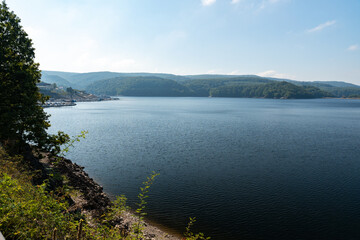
<point x="68" y="103"/>
<point x="92" y="201"/>
<point x="153" y="229"/>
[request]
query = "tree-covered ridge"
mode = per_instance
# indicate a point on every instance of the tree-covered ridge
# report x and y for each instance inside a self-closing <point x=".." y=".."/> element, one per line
<point x="249" y="86"/>
<point x="82" y="80"/>
<point x="345" y="92"/>
<point x="202" y="86"/>
<point x="139" y="86"/>
<point x="187" y="85"/>
<point x="282" y="90"/>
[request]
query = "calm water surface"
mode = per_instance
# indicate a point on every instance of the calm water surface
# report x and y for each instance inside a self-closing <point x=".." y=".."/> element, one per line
<point x="246" y="168"/>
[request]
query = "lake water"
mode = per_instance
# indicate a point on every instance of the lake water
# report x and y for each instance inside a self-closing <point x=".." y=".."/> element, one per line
<point x="246" y="168"/>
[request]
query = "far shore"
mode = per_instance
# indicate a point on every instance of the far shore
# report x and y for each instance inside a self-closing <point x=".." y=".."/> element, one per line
<point x="68" y="103"/>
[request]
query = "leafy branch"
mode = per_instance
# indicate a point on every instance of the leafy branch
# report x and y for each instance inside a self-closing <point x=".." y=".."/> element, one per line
<point x="190" y="235"/>
<point x="142" y="203"/>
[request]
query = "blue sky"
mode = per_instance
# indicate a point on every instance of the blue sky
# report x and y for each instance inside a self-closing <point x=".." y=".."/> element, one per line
<point x="308" y="40"/>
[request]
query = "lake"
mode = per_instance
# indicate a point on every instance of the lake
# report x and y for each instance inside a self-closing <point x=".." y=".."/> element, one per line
<point x="245" y="168"/>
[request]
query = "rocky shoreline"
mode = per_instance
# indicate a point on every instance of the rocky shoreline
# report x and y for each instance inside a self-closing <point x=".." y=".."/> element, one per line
<point x="90" y="200"/>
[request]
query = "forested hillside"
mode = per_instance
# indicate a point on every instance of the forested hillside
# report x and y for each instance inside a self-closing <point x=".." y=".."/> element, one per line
<point x="160" y="84"/>
<point x="282" y="90"/>
<point x="202" y="86"/>
<point x="229" y="87"/>
<point x="139" y="86"/>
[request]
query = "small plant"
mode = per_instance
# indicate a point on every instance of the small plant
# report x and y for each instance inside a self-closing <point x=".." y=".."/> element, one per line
<point x="70" y="143"/>
<point x="118" y="208"/>
<point x="190" y="235"/>
<point x="142" y="204"/>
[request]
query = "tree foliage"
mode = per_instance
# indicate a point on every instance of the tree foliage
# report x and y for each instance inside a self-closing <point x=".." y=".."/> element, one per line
<point x="269" y="90"/>
<point x="343" y="91"/>
<point x="241" y="86"/>
<point x="139" y="86"/>
<point x="22" y="119"/>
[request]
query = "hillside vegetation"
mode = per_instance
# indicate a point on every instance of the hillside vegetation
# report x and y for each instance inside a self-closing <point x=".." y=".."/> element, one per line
<point x="139" y="86"/>
<point x="251" y="86"/>
<point x="52" y="198"/>
<point x="283" y="90"/>
<point x="159" y="84"/>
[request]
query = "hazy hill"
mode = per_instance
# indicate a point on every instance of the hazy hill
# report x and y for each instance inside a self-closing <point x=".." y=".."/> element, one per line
<point x="339" y="84"/>
<point x="318" y="83"/>
<point x="82" y="80"/>
<point x="64" y="75"/>
<point x="58" y="80"/>
<point x="85" y="79"/>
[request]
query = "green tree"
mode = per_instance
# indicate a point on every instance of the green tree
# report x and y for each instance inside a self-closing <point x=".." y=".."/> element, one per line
<point x="70" y="91"/>
<point x="22" y="119"/>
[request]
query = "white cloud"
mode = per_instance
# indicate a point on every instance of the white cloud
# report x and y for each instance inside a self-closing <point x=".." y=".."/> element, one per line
<point x="321" y="26"/>
<point x="256" y="5"/>
<point x="274" y="74"/>
<point x="353" y="47"/>
<point x="265" y="3"/>
<point x="207" y="2"/>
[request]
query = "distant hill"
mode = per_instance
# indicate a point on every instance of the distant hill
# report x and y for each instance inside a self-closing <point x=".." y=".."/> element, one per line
<point x="82" y="80"/>
<point x="319" y="83"/>
<point x="273" y="89"/>
<point x="58" y="80"/>
<point x="339" y="84"/>
<point x="336" y="84"/>
<point x="139" y="86"/>
<point x="216" y="76"/>
<point x="201" y="86"/>
<point x="231" y="87"/>
<point x="64" y="75"/>
<point x="161" y="84"/>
